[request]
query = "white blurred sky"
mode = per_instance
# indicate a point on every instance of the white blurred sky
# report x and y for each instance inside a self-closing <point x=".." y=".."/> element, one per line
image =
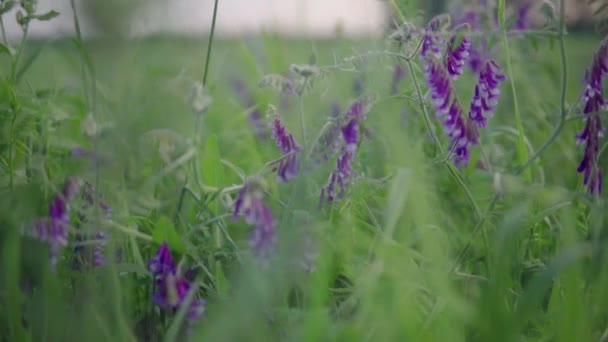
<point x="292" y="17"/>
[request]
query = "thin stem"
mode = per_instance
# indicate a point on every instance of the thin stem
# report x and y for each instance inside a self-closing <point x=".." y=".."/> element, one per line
<point x="10" y="149"/>
<point x="564" y="82"/>
<point x="83" y="73"/>
<point x="397" y="10"/>
<point x="211" y="34"/>
<point x="90" y="94"/>
<point x="425" y="114"/>
<point x="415" y="52"/>
<point x="453" y="171"/>
<point x="130" y="231"/>
<point x="183" y="159"/>
<point x="226" y="190"/>
<point x="301" y="113"/>
<point x="197" y="127"/>
<point x="478" y="227"/>
<point x="180" y="203"/>
<point x="522" y="152"/>
<point x="456" y="174"/>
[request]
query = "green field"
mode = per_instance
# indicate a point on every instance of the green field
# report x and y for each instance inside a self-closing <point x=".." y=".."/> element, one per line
<point x="418" y="250"/>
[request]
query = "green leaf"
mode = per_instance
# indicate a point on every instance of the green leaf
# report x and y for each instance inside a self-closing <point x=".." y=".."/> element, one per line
<point x="164" y="230"/>
<point x="47" y="16"/>
<point x="211" y="166"/>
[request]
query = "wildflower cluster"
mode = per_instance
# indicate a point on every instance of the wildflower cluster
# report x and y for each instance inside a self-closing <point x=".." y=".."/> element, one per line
<point x="172" y="287"/>
<point x="458" y="51"/>
<point x="329" y="141"/>
<point x="288" y="166"/>
<point x="350" y="135"/>
<point x="462" y="131"/>
<point x="594" y="102"/>
<point x="54" y="230"/>
<point x="432" y="40"/>
<point x="487" y="92"/>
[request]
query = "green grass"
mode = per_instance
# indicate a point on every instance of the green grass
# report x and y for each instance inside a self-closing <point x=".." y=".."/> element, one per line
<point x="390" y="262"/>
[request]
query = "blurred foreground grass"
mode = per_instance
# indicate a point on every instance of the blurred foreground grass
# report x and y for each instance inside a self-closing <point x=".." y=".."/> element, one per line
<point x="386" y="266"/>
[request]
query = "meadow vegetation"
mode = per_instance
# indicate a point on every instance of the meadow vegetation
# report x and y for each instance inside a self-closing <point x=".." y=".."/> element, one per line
<point x="267" y="188"/>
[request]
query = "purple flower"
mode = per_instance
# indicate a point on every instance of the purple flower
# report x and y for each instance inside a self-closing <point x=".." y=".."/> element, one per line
<point x="462" y="134"/>
<point x="457" y="55"/>
<point x="263" y="237"/>
<point x="171" y="286"/>
<point x="171" y="290"/>
<point x="487" y="92"/>
<point x="356" y="111"/>
<point x="162" y="262"/>
<point x="595" y="74"/>
<point x="54" y="229"/>
<point x="456" y="127"/>
<point x="438" y="81"/>
<point x="53" y="232"/>
<point x="343" y="172"/>
<point x="522" y="20"/>
<point x="398" y="75"/>
<point x="432" y="43"/>
<point x="350" y="133"/>
<point x="249" y="204"/>
<point x="591" y="134"/>
<point x="196" y="310"/>
<point x="339" y="178"/>
<point x="289" y="165"/>
<point x="99" y="258"/>
<point x="58" y="209"/>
